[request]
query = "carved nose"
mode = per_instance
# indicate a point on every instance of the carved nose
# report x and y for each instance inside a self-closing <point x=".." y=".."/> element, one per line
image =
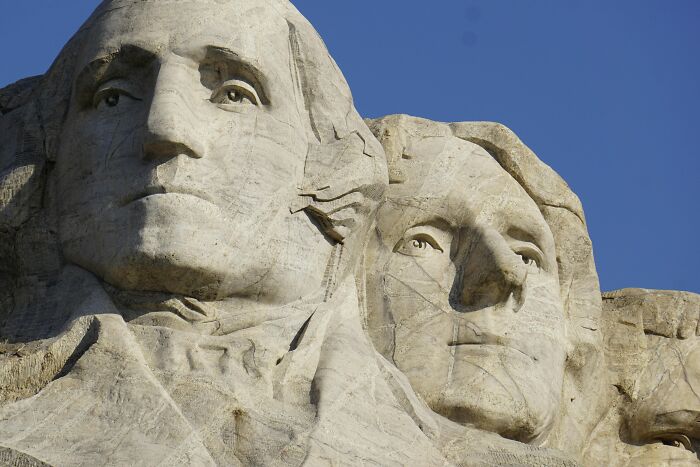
<point x="171" y="129"/>
<point x="491" y="273"/>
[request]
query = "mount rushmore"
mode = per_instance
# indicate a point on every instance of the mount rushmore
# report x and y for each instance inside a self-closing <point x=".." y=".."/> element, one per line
<point x="208" y="257"/>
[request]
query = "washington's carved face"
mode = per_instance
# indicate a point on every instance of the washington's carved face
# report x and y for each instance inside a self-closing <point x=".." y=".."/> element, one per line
<point x="184" y="144"/>
<point x="464" y="293"/>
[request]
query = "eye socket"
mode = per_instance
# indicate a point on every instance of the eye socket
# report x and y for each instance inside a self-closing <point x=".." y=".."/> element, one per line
<point x="530" y="257"/>
<point x="527" y="260"/>
<point x="418" y="245"/>
<point x="678" y="440"/>
<point x="110" y="97"/>
<point x="234" y="92"/>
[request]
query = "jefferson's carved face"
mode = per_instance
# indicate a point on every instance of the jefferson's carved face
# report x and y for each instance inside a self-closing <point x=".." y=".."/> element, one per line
<point x="464" y="292"/>
<point x="183" y="147"/>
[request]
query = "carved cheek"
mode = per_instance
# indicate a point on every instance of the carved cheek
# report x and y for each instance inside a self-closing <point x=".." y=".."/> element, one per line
<point x="420" y="278"/>
<point x="415" y="299"/>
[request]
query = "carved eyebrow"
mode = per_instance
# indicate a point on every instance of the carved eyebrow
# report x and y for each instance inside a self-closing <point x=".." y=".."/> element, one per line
<point x="238" y="67"/>
<point x="523" y="235"/>
<point x="110" y="65"/>
<point x="536" y="236"/>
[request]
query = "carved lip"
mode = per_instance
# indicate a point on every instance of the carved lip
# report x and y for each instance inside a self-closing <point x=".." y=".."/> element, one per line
<point x="164" y="190"/>
<point x="469" y="334"/>
<point x="489" y="341"/>
<point x="493" y="345"/>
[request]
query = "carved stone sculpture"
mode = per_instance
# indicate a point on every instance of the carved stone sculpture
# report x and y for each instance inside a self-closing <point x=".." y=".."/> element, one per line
<point x="209" y="258"/>
<point x="475" y="246"/>
<point x="652" y="349"/>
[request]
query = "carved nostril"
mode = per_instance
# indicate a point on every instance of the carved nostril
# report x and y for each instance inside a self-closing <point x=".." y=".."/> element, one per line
<point x="165" y="149"/>
<point x="493" y="275"/>
<point x="491" y="290"/>
<point x="165" y="138"/>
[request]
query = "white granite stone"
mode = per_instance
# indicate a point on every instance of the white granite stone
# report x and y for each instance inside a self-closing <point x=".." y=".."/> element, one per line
<point x="207" y="257"/>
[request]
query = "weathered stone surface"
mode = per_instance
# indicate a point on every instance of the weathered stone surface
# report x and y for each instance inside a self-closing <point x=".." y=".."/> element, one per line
<point x="653" y="355"/>
<point x="478" y="242"/>
<point x="209" y="258"/>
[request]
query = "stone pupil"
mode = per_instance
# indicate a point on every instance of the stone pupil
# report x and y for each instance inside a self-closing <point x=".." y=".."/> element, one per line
<point x="112" y="100"/>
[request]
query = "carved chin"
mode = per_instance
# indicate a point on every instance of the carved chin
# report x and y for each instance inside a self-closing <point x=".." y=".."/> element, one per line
<point x="500" y="391"/>
<point x="176" y="244"/>
<point x="525" y="420"/>
<point x="166" y="271"/>
<point x="165" y="260"/>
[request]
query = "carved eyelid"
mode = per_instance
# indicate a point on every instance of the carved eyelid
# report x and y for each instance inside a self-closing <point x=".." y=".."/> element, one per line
<point x="424" y="237"/>
<point x="427" y="232"/>
<point x="117" y="85"/>
<point x="230" y="68"/>
<point x="522" y="240"/>
<point x="529" y="250"/>
<point x="681" y="438"/>
<point x="232" y="84"/>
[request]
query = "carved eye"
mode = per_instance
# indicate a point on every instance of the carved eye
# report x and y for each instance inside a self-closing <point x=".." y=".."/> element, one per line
<point x="527" y="260"/>
<point x="235" y="92"/>
<point x="678" y="440"/>
<point x="109" y="97"/>
<point x="419" y="245"/>
<point x="111" y="100"/>
<point x="531" y="258"/>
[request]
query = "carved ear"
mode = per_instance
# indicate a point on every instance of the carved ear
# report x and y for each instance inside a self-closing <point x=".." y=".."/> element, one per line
<point x="55" y="94"/>
<point x="22" y="157"/>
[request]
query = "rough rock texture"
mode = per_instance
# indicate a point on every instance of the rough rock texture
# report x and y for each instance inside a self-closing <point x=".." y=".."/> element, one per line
<point x="653" y="356"/>
<point x="207" y="257"/>
<point x="479" y="242"/>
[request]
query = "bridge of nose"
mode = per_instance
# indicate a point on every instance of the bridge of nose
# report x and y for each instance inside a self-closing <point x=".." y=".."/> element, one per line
<point x="174" y="126"/>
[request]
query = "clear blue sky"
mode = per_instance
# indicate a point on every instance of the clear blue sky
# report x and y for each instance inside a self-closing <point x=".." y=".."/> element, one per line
<point x="606" y="92"/>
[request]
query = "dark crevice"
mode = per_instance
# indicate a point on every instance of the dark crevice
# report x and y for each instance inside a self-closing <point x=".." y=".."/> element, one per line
<point x="84" y="345"/>
<point x="323" y="224"/>
<point x="295" y="342"/>
<point x="650" y="332"/>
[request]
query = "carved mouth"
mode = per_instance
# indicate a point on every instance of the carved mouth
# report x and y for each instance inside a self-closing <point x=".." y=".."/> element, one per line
<point x="469" y="334"/>
<point x="493" y="347"/>
<point x="164" y="190"/>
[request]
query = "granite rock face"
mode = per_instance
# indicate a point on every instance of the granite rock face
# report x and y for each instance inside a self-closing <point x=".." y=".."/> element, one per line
<point x="207" y="257"/>
<point x="652" y="350"/>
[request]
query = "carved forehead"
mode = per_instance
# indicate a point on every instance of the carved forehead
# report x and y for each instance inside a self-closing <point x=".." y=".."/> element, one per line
<point x="257" y="29"/>
<point x="435" y="165"/>
<point x="194" y="13"/>
<point x="223" y="6"/>
<point x="426" y="160"/>
<point x="448" y="172"/>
